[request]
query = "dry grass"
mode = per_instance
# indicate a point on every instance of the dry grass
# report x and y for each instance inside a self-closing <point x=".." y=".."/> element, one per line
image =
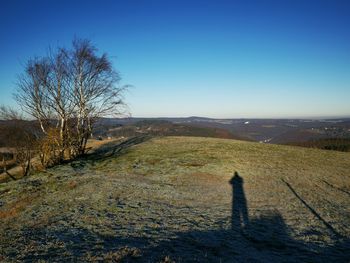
<point x="170" y="198"/>
<point x="12" y="210"/>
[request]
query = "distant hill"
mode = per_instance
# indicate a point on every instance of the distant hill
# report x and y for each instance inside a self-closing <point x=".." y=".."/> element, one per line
<point x="160" y="127"/>
<point x="277" y="131"/>
<point x="274" y="131"/>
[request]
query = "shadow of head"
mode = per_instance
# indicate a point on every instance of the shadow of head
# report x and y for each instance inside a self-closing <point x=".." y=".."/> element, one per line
<point x="236" y="179"/>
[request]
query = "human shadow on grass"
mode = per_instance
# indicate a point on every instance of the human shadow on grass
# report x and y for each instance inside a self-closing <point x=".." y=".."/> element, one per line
<point x="239" y="216"/>
<point x="262" y="239"/>
<point x="266" y="238"/>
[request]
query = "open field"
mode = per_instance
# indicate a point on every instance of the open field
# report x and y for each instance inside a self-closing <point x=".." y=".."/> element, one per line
<point x="182" y="199"/>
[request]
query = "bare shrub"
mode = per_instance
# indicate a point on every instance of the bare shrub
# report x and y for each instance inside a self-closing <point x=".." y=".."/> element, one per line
<point x="22" y="136"/>
<point x="50" y="147"/>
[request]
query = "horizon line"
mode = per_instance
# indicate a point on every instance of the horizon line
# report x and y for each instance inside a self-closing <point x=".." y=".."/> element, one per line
<point x="238" y="118"/>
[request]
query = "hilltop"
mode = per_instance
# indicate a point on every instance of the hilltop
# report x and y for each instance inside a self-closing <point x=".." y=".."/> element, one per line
<point x="182" y="199"/>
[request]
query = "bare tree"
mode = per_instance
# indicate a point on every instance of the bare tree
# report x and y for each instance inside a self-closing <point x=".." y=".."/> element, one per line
<point x="68" y="90"/>
<point x="95" y="91"/>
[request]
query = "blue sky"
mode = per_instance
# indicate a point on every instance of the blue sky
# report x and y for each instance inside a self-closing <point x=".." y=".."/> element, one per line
<point x="224" y="59"/>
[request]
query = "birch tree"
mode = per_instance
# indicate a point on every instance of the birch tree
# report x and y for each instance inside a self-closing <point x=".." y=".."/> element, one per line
<point x="67" y="91"/>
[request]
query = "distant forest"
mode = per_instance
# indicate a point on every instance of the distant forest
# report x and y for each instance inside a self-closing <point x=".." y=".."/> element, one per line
<point x="334" y="144"/>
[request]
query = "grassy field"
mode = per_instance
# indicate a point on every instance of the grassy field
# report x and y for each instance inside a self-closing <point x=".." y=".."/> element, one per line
<point x="182" y="199"/>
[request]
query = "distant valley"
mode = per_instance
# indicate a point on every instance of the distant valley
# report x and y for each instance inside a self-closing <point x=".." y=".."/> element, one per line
<point x="276" y="131"/>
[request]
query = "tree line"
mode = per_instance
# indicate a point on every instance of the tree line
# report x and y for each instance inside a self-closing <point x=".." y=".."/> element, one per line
<point x="334" y="144"/>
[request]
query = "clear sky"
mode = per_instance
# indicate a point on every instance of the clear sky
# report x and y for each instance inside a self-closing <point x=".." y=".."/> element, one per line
<point x="225" y="59"/>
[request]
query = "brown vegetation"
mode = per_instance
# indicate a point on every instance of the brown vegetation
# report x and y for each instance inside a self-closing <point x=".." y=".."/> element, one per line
<point x="16" y="207"/>
<point x="65" y="92"/>
<point x="22" y="138"/>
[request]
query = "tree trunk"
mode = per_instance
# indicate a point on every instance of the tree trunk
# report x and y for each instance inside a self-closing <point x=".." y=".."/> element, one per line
<point x="5" y="169"/>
